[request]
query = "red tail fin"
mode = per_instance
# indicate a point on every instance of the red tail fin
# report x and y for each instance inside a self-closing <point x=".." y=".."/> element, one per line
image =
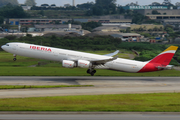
<point x="165" y="57"/>
<point x="161" y="61"/>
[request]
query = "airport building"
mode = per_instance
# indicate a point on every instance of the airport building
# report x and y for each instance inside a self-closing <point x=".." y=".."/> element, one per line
<point x="144" y="7"/>
<point x="29" y="21"/>
<point x="51" y="28"/>
<point x="111" y="20"/>
<point x="162" y="14"/>
<point x="147" y="27"/>
<point x="174" y="22"/>
<point x="128" y="37"/>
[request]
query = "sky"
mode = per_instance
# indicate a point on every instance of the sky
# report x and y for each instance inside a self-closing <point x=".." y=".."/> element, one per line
<point x="120" y="2"/>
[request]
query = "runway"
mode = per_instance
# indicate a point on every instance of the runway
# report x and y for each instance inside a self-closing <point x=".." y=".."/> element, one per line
<point x="88" y="116"/>
<point x="102" y="85"/>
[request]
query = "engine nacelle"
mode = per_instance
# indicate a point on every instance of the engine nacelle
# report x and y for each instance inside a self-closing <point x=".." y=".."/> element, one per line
<point x="84" y="64"/>
<point x="68" y="64"/>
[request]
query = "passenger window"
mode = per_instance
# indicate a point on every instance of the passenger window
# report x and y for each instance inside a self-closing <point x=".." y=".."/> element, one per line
<point x="7" y="44"/>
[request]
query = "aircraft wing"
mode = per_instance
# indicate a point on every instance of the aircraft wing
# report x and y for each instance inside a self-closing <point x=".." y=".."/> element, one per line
<point x="112" y="54"/>
<point x="103" y="61"/>
<point x="98" y="62"/>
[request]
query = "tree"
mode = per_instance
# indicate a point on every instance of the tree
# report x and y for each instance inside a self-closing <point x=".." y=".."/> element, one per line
<point x="178" y="4"/>
<point x="5" y="26"/>
<point x="10" y="11"/>
<point x="86" y="6"/>
<point x="97" y="10"/>
<point x="168" y="26"/>
<point x="105" y="2"/>
<point x="90" y="25"/>
<point x="104" y="7"/>
<point x="30" y="3"/>
<point x="5" y="2"/>
<point x="1" y="20"/>
<point x="121" y="10"/>
<point x="167" y="3"/>
<point x="155" y="28"/>
<point x="156" y="4"/>
<point x="128" y="30"/>
<point x="146" y="34"/>
<point x="169" y="30"/>
<point x="41" y="12"/>
<point x="132" y="4"/>
<point x="138" y="18"/>
<point x="155" y="12"/>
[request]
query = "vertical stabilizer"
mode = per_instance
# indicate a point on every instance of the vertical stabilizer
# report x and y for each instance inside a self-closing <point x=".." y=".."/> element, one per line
<point x="165" y="57"/>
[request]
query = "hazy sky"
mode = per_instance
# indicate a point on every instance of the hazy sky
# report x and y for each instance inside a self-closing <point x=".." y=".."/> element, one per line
<point x="121" y="2"/>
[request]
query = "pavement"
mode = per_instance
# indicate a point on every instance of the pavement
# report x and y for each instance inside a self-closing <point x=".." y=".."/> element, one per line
<point x="102" y="85"/>
<point x="88" y="116"/>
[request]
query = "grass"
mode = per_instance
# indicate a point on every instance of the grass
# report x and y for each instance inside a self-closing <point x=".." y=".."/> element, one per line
<point x="59" y="71"/>
<point x="36" y="86"/>
<point x="49" y="68"/>
<point x="158" y="102"/>
<point x="6" y="59"/>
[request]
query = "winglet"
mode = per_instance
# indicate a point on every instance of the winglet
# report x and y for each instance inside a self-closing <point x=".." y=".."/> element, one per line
<point x="112" y="54"/>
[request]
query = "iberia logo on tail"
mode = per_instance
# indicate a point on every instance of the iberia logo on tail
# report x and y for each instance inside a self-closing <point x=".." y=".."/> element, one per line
<point x="160" y="61"/>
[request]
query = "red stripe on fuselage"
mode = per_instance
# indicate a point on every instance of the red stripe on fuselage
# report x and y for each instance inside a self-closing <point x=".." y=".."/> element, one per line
<point x="150" y="67"/>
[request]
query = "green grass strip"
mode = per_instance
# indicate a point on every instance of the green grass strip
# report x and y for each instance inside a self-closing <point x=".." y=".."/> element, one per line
<point x="43" y="86"/>
<point x="59" y="71"/>
<point x="157" y="102"/>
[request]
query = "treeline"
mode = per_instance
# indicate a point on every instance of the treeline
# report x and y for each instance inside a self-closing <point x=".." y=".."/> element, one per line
<point x="5" y="2"/>
<point x="11" y="11"/>
<point x="103" y="7"/>
<point x="141" y="46"/>
<point x="147" y="51"/>
<point x="83" y="43"/>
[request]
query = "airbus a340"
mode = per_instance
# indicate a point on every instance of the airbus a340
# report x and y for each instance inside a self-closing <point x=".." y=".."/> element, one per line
<point x="72" y="59"/>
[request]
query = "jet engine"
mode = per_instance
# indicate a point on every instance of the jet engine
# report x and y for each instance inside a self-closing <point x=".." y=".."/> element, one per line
<point x="68" y="64"/>
<point x="84" y="64"/>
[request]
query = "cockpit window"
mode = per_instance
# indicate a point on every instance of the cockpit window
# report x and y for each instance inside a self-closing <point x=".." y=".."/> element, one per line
<point x="7" y="44"/>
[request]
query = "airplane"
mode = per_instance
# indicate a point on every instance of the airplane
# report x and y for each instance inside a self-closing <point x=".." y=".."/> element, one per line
<point x="72" y="59"/>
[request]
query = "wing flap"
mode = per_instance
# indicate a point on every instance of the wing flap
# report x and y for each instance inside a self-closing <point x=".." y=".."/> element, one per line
<point x="103" y="61"/>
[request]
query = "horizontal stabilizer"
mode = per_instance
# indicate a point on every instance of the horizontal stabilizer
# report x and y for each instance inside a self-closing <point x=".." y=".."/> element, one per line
<point x="168" y="67"/>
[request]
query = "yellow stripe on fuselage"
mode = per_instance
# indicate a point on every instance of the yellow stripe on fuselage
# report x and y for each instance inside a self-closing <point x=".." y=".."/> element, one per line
<point x="171" y="48"/>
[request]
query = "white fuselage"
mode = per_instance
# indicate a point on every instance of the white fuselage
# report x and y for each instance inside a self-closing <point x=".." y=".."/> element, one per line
<point x="56" y="54"/>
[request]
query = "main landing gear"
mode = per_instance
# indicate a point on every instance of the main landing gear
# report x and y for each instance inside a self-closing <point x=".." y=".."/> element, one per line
<point x="91" y="71"/>
<point x="14" y="57"/>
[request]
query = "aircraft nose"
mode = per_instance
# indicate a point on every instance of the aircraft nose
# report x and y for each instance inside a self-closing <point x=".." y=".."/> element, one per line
<point x="2" y="47"/>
